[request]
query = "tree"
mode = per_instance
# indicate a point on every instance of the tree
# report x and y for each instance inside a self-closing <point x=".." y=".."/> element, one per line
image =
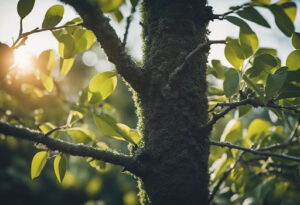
<point x="177" y="110"/>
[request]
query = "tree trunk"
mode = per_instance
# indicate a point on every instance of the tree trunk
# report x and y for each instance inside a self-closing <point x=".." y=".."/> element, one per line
<point x="175" y="148"/>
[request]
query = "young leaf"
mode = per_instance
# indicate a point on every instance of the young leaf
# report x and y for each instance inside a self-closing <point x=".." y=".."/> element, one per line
<point x="46" y="61"/>
<point x="258" y="128"/>
<point x="274" y="83"/>
<point x="53" y="16"/>
<point x="232" y="131"/>
<point x="289" y="7"/>
<point x="118" y="15"/>
<point x="262" y="63"/>
<point x="103" y="85"/>
<point x="25" y="7"/>
<point x="47" y="81"/>
<point x="249" y="43"/>
<point x="66" y="46"/>
<point x="66" y="66"/>
<point x="231" y="82"/>
<point x="81" y="135"/>
<point x="109" y="6"/>
<point x="260" y="2"/>
<point x="234" y="54"/>
<point x="253" y="15"/>
<point x="283" y="22"/>
<point x="110" y="127"/>
<point x="84" y="39"/>
<point x="240" y="23"/>
<point x="293" y="60"/>
<point x="296" y="40"/>
<point x="38" y="162"/>
<point x="60" y="167"/>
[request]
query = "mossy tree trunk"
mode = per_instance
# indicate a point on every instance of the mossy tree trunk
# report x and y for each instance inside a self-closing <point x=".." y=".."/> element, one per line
<point x="176" y="148"/>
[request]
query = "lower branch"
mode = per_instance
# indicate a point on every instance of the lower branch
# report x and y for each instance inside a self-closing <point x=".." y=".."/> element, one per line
<point x="69" y="148"/>
<point x="256" y="152"/>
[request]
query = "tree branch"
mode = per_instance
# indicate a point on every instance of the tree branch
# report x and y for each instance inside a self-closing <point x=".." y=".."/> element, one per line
<point x="173" y="76"/>
<point x="256" y="152"/>
<point x="69" y="148"/>
<point x="128" y="22"/>
<point x="94" y="20"/>
<point x="248" y="101"/>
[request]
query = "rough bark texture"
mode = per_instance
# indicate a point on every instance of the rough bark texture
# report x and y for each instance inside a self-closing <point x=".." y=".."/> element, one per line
<point x="175" y="148"/>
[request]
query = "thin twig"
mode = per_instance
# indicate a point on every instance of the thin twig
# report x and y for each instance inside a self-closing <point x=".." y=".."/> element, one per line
<point x="248" y="101"/>
<point x="223" y="178"/>
<point x="187" y="59"/>
<point x="253" y="151"/>
<point x="128" y="22"/>
<point x="222" y="16"/>
<point x="25" y="35"/>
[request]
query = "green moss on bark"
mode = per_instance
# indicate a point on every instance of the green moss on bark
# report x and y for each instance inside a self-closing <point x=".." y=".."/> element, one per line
<point x="175" y="148"/>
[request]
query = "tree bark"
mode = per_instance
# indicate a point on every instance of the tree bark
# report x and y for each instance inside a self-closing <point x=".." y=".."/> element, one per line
<point x="176" y="149"/>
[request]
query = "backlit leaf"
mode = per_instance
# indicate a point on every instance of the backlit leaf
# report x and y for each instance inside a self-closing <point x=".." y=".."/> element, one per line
<point x="66" y="66"/>
<point x="293" y="60"/>
<point x="258" y="128"/>
<point x="46" y="61"/>
<point x="296" y="40"/>
<point x="66" y="46"/>
<point x="81" y="135"/>
<point x="231" y="82"/>
<point x="38" y="162"/>
<point x="47" y="81"/>
<point x="234" y="54"/>
<point x="253" y="15"/>
<point x="282" y="20"/>
<point x="103" y="84"/>
<point x="60" y="167"/>
<point x="53" y="16"/>
<point x="110" y="5"/>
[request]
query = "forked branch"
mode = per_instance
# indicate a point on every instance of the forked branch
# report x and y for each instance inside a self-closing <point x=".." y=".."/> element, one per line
<point x="69" y="148"/>
<point x="94" y="20"/>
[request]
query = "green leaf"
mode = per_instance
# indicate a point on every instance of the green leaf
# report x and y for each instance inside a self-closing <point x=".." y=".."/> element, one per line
<point x="293" y="60"/>
<point x="25" y="7"/>
<point x="110" y="127"/>
<point x="240" y="23"/>
<point x="66" y="66"/>
<point x="296" y="40"/>
<point x="60" y="167"/>
<point x="253" y="15"/>
<point x="118" y="15"/>
<point x="232" y="132"/>
<point x="109" y="5"/>
<point x="38" y="162"/>
<point x="270" y="51"/>
<point x="262" y="63"/>
<point x="103" y="85"/>
<point x="53" y="16"/>
<point x="66" y="46"/>
<point x="258" y="128"/>
<point x="253" y="86"/>
<point x="283" y="21"/>
<point x="244" y="110"/>
<point x="248" y="42"/>
<point x="46" y="127"/>
<point x="289" y="91"/>
<point x="134" y="2"/>
<point x="231" y="82"/>
<point x="46" y="61"/>
<point x="99" y="165"/>
<point x="234" y="54"/>
<point x="84" y="39"/>
<point x="81" y="135"/>
<point x="260" y="2"/>
<point x="274" y="83"/>
<point x="47" y="81"/>
<point x="290" y="9"/>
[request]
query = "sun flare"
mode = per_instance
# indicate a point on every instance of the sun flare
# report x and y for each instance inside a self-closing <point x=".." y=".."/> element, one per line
<point x="23" y="60"/>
